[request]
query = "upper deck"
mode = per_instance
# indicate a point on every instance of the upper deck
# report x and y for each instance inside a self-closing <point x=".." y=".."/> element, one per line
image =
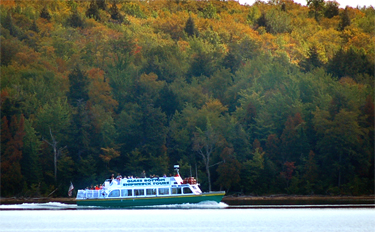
<point x="143" y="182"/>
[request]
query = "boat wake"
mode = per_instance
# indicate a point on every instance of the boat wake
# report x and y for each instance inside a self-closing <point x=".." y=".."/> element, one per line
<point x="200" y="205"/>
<point x="62" y="206"/>
<point x="39" y="206"/>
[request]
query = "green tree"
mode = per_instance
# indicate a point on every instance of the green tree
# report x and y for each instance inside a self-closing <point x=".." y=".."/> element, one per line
<point x="252" y="171"/>
<point x="204" y="143"/>
<point x="339" y="141"/>
<point x="229" y="170"/>
<point x="316" y="8"/>
<point x="30" y="163"/>
<point x="209" y="12"/>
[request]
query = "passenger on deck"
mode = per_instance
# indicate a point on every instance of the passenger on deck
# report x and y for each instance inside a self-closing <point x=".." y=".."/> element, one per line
<point x="118" y="178"/>
<point x="143" y="174"/>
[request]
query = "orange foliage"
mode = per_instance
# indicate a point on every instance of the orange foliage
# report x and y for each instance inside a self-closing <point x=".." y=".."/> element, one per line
<point x="27" y="57"/>
<point x="100" y="91"/>
<point x="4" y="96"/>
<point x="8" y="3"/>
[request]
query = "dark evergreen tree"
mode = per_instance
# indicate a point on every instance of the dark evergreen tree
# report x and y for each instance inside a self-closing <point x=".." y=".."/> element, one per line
<point x="75" y="20"/>
<point x="101" y="4"/>
<point x="81" y="136"/>
<point x="115" y="13"/>
<point x="312" y="61"/>
<point x="331" y="9"/>
<point x="8" y="24"/>
<point x="168" y="101"/>
<point x="78" y="91"/>
<point x="232" y="61"/>
<point x="93" y="11"/>
<point x="190" y="28"/>
<point x="344" y="20"/>
<point x="45" y="14"/>
<point x="283" y="7"/>
<point x="262" y="21"/>
<point x="34" y="27"/>
<point x="350" y="63"/>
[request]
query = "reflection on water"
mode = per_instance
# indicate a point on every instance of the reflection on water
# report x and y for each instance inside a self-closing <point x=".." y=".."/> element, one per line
<point x="189" y="217"/>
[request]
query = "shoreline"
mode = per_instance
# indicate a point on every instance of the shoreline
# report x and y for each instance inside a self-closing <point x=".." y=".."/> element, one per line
<point x="298" y="200"/>
<point x="234" y="200"/>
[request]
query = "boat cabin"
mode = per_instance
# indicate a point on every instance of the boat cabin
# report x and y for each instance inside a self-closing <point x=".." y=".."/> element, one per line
<point x="143" y="187"/>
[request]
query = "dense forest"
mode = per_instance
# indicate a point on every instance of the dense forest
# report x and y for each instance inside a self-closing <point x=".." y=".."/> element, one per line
<point x="272" y="98"/>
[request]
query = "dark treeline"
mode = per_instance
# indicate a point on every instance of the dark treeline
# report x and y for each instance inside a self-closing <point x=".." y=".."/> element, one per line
<point x="273" y="98"/>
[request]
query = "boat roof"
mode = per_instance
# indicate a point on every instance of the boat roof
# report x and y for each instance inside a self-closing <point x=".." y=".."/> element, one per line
<point x="144" y="182"/>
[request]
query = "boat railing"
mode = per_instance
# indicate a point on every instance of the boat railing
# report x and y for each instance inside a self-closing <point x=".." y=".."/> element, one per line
<point x="90" y="194"/>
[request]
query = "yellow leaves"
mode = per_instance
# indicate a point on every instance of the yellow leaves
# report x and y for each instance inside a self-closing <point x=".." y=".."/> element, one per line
<point x="183" y="45"/>
<point x="173" y="25"/>
<point x="360" y="39"/>
<point x="215" y="106"/>
<point x="327" y="42"/>
<point x="109" y="154"/>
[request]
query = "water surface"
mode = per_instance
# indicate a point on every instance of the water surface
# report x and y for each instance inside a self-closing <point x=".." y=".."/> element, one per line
<point x="188" y="217"/>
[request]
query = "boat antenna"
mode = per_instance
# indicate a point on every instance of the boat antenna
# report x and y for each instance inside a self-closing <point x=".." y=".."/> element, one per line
<point x="176" y="167"/>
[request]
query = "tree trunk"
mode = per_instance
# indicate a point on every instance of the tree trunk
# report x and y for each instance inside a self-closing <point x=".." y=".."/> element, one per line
<point x="208" y="176"/>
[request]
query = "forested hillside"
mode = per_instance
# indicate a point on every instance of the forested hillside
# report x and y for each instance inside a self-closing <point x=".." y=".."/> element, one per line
<point x="272" y="98"/>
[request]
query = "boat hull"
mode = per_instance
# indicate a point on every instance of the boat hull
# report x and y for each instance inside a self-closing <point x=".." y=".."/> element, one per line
<point x="146" y="201"/>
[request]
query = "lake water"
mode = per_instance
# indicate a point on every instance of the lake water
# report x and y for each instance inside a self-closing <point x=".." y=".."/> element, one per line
<point x="189" y="217"/>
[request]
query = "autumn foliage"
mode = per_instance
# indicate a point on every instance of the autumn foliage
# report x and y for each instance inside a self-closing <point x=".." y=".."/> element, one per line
<point x="268" y="98"/>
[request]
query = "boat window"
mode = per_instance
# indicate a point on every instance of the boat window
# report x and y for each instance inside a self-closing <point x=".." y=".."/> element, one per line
<point x="126" y="192"/>
<point x="176" y="190"/>
<point x="96" y="194"/>
<point x="89" y="194"/>
<point x="81" y="194"/>
<point x="163" y="191"/>
<point x="139" y="192"/>
<point x="150" y="191"/>
<point x="187" y="190"/>
<point x="114" y="193"/>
